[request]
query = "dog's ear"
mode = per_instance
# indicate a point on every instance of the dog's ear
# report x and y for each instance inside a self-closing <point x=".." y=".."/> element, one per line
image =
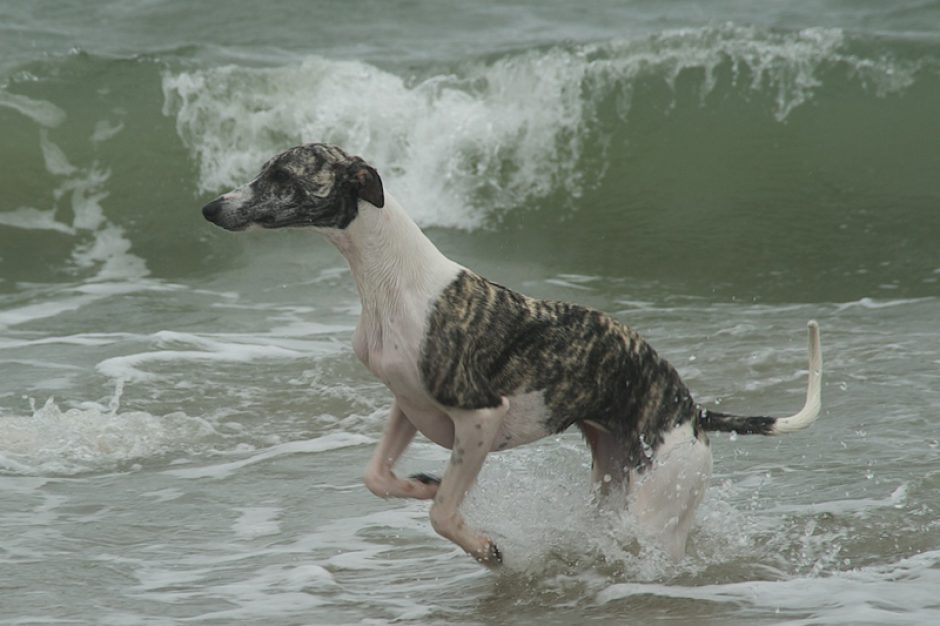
<point x="367" y="183"/>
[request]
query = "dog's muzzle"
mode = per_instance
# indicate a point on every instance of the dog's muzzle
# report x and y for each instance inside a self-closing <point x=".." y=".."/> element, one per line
<point x="211" y="211"/>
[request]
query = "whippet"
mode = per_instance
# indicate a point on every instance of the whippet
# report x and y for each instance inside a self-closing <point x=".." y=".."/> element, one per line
<point x="477" y="368"/>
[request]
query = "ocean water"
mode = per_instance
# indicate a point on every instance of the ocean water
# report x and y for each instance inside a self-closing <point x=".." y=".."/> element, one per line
<point x="183" y="424"/>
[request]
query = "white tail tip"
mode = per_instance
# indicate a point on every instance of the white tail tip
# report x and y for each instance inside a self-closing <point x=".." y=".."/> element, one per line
<point x="810" y="410"/>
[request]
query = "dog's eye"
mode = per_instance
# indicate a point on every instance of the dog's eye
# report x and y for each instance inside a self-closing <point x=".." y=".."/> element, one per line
<point x="280" y="176"/>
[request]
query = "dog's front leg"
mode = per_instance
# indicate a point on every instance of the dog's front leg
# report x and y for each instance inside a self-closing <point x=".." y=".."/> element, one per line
<point x="474" y="434"/>
<point x="379" y="477"/>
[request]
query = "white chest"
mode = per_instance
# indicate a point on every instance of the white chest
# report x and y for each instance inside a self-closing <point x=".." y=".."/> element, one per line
<point x="390" y="349"/>
<point x="390" y="332"/>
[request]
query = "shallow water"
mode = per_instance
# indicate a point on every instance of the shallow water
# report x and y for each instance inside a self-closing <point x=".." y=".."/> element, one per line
<point x="183" y="425"/>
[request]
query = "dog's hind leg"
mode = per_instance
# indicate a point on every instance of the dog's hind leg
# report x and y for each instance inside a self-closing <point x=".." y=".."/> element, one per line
<point x="666" y="494"/>
<point x="474" y="434"/>
<point x="379" y="477"/>
<point x="663" y="496"/>
<point x="608" y="463"/>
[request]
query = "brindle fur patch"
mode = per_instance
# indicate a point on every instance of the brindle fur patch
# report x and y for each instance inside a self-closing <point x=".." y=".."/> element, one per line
<point x="484" y="341"/>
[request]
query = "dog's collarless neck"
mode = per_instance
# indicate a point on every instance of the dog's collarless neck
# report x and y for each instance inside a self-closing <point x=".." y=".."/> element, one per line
<point x="389" y="256"/>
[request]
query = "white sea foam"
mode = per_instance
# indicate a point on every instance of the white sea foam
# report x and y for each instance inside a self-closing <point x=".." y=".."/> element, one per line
<point x="107" y="250"/>
<point x="105" y="130"/>
<point x="439" y="142"/>
<point x="273" y="590"/>
<point x="73" y="297"/>
<point x="30" y="218"/>
<point x="487" y="135"/>
<point x="257" y="521"/>
<point x="56" y="162"/>
<point x="894" y="500"/>
<point x="41" y="310"/>
<point x="898" y="593"/>
<point x="42" y="112"/>
<point x="91" y="438"/>
<point x="98" y="246"/>
<point x="183" y="347"/>
<point x="873" y="303"/>
<point x="128" y="367"/>
<point x="333" y="441"/>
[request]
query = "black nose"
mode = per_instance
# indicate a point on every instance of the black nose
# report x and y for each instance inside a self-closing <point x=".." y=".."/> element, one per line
<point x="211" y="210"/>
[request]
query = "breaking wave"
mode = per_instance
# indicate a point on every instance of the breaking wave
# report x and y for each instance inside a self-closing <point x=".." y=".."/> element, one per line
<point x="491" y="135"/>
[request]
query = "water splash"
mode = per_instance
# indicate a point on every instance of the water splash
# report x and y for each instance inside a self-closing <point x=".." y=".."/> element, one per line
<point x="91" y="437"/>
<point x="439" y="142"/>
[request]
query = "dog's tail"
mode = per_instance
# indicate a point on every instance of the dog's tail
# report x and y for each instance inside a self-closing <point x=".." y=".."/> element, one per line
<point x="713" y="420"/>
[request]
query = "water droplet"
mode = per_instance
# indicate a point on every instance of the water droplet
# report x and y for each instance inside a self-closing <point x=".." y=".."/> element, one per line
<point x="608" y="478"/>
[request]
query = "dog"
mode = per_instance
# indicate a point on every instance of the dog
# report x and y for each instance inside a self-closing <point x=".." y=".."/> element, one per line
<point x="477" y="367"/>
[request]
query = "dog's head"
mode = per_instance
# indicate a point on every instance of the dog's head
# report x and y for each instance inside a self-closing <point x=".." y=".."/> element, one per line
<point x="310" y="185"/>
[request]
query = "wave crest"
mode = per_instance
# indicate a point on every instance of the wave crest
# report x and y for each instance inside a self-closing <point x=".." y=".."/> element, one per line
<point x="490" y="135"/>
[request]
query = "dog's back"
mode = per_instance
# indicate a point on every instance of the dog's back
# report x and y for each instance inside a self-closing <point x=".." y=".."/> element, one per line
<point x="485" y="342"/>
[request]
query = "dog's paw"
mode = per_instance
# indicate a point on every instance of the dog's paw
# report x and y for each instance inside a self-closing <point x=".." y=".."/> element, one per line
<point x="490" y="555"/>
<point x="423" y="486"/>
<point x="427" y="479"/>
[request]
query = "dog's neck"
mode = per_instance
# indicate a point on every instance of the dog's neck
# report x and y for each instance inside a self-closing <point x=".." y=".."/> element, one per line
<point x="389" y="256"/>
